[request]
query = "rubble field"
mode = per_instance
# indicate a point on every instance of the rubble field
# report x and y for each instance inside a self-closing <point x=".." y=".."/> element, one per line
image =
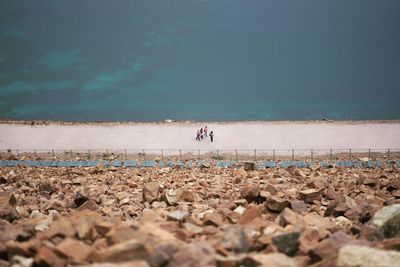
<point x="278" y="217"/>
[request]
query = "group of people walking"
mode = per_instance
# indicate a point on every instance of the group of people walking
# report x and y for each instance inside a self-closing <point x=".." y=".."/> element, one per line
<point x="203" y="133"/>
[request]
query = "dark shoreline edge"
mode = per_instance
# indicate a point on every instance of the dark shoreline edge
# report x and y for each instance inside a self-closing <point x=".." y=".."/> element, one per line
<point x="183" y="122"/>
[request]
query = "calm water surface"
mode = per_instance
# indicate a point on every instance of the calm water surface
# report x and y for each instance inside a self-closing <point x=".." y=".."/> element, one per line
<point x="199" y="60"/>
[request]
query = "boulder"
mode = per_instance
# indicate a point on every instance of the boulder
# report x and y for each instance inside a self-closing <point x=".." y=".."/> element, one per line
<point x="310" y="195"/>
<point x="277" y="204"/>
<point x="150" y="192"/>
<point x="363" y="256"/>
<point x="386" y="222"/>
<point x="8" y="211"/>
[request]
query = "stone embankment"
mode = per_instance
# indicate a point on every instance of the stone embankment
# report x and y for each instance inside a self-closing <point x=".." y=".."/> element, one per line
<point x="199" y="217"/>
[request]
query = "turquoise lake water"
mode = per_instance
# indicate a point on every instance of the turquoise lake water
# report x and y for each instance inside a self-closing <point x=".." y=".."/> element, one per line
<point x="199" y="60"/>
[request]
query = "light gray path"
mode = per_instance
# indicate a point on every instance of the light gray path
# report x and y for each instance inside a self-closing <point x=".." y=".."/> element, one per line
<point x="237" y="135"/>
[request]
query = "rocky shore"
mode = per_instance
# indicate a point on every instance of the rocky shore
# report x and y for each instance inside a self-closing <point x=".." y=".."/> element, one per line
<point x="199" y="217"/>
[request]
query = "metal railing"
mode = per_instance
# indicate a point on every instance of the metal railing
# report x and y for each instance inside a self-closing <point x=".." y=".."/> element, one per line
<point x="198" y="154"/>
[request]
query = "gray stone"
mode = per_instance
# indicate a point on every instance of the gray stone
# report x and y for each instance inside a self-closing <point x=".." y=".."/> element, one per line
<point x="235" y="239"/>
<point x="178" y="215"/>
<point x="287" y="243"/>
<point x="386" y="222"/>
<point x="361" y="256"/>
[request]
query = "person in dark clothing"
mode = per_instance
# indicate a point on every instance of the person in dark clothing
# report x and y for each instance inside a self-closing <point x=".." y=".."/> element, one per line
<point x="201" y="131"/>
<point x="198" y="135"/>
<point x="212" y="136"/>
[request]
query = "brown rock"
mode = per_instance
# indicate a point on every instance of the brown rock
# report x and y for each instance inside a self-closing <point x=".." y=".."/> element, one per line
<point x="289" y="217"/>
<point x="339" y="206"/>
<point x="196" y="254"/>
<point x="7" y="207"/>
<point x="298" y="206"/>
<point x="120" y="234"/>
<point x="310" y="195"/>
<point x="270" y="188"/>
<point x="269" y="260"/>
<point x="249" y="166"/>
<point x="250" y="192"/>
<point x="329" y="248"/>
<point x="250" y="214"/>
<point x="81" y="195"/>
<point x="125" y="251"/>
<point x="393" y="185"/>
<point x="46" y="189"/>
<point x="187" y="196"/>
<point x="370" y="181"/>
<point x="150" y="192"/>
<point x="26" y="249"/>
<point x="308" y="239"/>
<point x="88" y="205"/>
<point x="214" y="218"/>
<point x="46" y="257"/>
<point x="277" y="204"/>
<point x="74" y="250"/>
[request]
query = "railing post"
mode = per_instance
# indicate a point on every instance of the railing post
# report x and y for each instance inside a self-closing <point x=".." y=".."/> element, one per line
<point x="312" y="155"/>
<point x="17" y="152"/>
<point x="236" y="155"/>
<point x="331" y="156"/>
<point x="388" y="154"/>
<point x="180" y="153"/>
<point x="162" y="154"/>
<point x="144" y="154"/>
<point x="350" y="153"/>
<point x="52" y="152"/>
<point x="107" y="152"/>
<point x="369" y="154"/>
<point x="255" y="154"/>
<point x="217" y="153"/>
<point x="34" y="151"/>
<point x="198" y="153"/>
<point x="292" y="154"/>
<point x="273" y="154"/>
<point x="125" y="153"/>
